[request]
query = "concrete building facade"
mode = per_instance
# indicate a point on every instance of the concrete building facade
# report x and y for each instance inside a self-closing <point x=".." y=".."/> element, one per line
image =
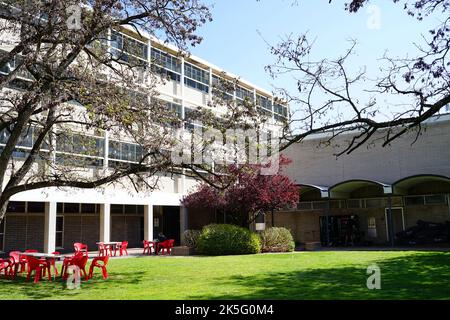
<point x="410" y="178"/>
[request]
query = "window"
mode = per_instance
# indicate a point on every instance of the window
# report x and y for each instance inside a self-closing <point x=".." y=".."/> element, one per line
<point x="435" y="199"/>
<point x="89" y="208"/>
<point x="196" y="78"/>
<point x="414" y="201"/>
<point x="127" y="49"/>
<point x="117" y="209"/>
<point x="2" y="234"/>
<point x="281" y="112"/>
<point x="36" y="207"/>
<point x="166" y="61"/>
<point x="59" y="231"/>
<point x="244" y="94"/>
<point x="80" y="144"/>
<point x="264" y="102"/>
<point x="222" y="88"/>
<point x="123" y="151"/>
<point x="16" y="207"/>
<point x="71" y="208"/>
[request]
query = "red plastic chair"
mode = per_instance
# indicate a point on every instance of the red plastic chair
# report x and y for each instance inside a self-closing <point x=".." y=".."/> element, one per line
<point x="148" y="245"/>
<point x="166" y="246"/>
<point x="38" y="266"/>
<point x="102" y="265"/>
<point x="17" y="262"/>
<point x="101" y="249"/>
<point x="123" y="248"/>
<point x="5" y="266"/>
<point x="31" y="251"/>
<point x="80" y="247"/>
<point x="80" y="260"/>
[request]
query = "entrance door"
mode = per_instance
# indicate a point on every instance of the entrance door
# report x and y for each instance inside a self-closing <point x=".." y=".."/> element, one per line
<point x="398" y="220"/>
<point x="171" y="223"/>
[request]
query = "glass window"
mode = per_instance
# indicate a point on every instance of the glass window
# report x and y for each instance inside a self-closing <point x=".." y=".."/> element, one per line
<point x="414" y="201"/>
<point x="71" y="208"/>
<point x="264" y="102"/>
<point x="125" y="48"/>
<point x="243" y="94"/>
<point x="88" y="208"/>
<point x="36" y="207"/>
<point x="435" y="199"/>
<point x="165" y="60"/>
<point x="116" y="209"/>
<point x="16" y="206"/>
<point x="130" y="209"/>
<point x="196" y="78"/>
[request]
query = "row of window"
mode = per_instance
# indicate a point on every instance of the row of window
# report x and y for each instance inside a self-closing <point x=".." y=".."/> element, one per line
<point x="71" y="208"/>
<point x="435" y="199"/>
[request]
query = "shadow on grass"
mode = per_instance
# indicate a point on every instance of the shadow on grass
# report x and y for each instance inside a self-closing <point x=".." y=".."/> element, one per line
<point x="57" y="289"/>
<point x="421" y="276"/>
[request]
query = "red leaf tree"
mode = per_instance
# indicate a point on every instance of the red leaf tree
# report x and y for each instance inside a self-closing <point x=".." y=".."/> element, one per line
<point x="245" y="192"/>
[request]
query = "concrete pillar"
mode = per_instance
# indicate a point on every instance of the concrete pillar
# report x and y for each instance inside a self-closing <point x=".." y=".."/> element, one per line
<point x="148" y="222"/>
<point x="50" y="227"/>
<point x="184" y="222"/>
<point x="105" y="222"/>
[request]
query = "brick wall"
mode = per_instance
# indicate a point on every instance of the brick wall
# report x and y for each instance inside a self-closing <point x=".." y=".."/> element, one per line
<point x="126" y="228"/>
<point x="24" y="232"/>
<point x="81" y="228"/>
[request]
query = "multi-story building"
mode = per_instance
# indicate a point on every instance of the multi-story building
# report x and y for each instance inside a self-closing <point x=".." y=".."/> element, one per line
<point x="54" y="218"/>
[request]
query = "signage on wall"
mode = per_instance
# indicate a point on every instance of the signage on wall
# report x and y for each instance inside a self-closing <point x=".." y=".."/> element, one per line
<point x="156" y="222"/>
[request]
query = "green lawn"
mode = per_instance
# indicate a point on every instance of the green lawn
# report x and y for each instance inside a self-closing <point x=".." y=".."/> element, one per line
<point x="304" y="275"/>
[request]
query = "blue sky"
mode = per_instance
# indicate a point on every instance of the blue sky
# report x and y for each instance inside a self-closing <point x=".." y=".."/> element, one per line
<point x="232" y="40"/>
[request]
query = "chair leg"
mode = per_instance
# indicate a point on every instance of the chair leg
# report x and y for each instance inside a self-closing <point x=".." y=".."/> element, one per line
<point x="105" y="273"/>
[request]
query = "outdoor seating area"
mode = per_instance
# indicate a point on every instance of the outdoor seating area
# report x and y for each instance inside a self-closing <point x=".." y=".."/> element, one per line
<point x="40" y="265"/>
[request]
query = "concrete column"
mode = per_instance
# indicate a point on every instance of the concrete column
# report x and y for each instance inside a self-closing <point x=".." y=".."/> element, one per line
<point x="50" y="227"/>
<point x="148" y="222"/>
<point x="184" y="222"/>
<point x="105" y="222"/>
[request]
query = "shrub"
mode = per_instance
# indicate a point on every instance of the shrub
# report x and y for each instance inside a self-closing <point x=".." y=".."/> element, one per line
<point x="277" y="240"/>
<point x="227" y="239"/>
<point x="191" y="238"/>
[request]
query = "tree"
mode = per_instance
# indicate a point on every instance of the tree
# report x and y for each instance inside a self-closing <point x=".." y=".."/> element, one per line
<point x="325" y="87"/>
<point x="61" y="84"/>
<point x="247" y="192"/>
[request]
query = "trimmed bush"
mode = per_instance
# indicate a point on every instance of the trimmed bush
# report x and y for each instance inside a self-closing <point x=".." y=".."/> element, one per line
<point x="227" y="239"/>
<point x="277" y="240"/>
<point x="191" y="238"/>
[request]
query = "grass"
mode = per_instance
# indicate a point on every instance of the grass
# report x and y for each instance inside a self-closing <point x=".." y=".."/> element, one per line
<point x="304" y="275"/>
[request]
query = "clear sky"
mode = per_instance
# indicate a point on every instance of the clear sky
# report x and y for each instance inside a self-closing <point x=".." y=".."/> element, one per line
<point x="236" y="39"/>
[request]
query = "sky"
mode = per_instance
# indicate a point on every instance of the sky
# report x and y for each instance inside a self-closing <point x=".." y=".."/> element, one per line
<point x="238" y="38"/>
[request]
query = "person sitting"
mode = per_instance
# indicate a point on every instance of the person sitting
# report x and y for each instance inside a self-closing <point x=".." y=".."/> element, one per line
<point x="161" y="237"/>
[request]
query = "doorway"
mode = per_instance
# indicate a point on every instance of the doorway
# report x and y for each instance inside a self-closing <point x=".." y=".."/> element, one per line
<point x="398" y="219"/>
<point x="171" y="222"/>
